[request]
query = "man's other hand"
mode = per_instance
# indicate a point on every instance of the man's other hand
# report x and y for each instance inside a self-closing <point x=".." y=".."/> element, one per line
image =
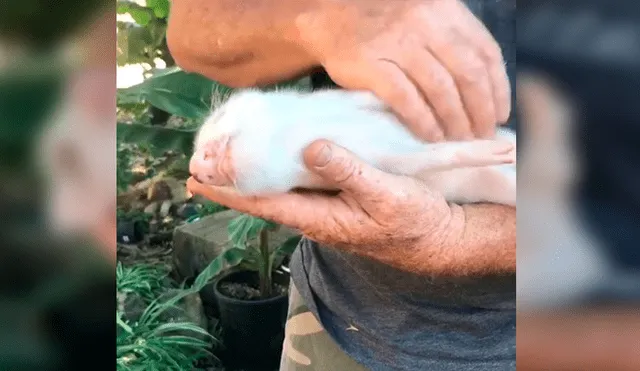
<point x="433" y="62"/>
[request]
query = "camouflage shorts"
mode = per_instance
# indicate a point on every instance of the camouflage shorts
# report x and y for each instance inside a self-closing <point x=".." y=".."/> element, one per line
<point x="307" y="346"/>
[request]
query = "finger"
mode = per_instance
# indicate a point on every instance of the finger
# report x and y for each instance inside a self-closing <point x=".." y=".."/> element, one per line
<point x="490" y="51"/>
<point x="470" y="73"/>
<point x="442" y="93"/>
<point x="389" y="83"/>
<point x="343" y="169"/>
<point x="293" y="210"/>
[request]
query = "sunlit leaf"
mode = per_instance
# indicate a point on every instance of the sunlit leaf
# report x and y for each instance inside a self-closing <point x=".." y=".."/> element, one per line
<point x="159" y="139"/>
<point x="160" y="7"/>
<point x="175" y="91"/>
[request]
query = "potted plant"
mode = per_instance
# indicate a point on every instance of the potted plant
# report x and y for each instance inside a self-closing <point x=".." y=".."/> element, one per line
<point x="253" y="298"/>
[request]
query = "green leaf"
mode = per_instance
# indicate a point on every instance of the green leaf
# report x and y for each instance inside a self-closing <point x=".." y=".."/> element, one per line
<point x="160" y="7"/>
<point x="135" y="44"/>
<point x="141" y="14"/>
<point x="180" y="93"/>
<point x="244" y="228"/>
<point x="159" y="139"/>
<point x="229" y="258"/>
<point x="289" y="246"/>
<point x="124" y="6"/>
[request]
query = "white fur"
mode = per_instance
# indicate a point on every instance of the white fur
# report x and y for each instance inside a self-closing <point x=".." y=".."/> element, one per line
<point x="269" y="132"/>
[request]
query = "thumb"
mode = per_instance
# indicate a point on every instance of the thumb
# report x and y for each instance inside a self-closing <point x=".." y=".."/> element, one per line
<point x="342" y="168"/>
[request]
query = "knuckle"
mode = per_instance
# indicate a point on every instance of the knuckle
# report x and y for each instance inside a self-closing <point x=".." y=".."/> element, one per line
<point x="493" y="52"/>
<point x="442" y="81"/>
<point x="474" y="73"/>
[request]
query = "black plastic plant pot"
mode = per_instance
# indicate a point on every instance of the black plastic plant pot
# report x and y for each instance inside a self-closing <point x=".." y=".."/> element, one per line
<point x="130" y="231"/>
<point x="252" y="330"/>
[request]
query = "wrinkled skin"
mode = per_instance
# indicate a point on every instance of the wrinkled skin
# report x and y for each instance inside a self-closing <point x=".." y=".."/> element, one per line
<point x="433" y="62"/>
<point x="376" y="215"/>
<point x="440" y="45"/>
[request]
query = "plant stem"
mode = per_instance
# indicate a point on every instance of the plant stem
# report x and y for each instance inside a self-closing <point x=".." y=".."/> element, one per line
<point x="265" y="269"/>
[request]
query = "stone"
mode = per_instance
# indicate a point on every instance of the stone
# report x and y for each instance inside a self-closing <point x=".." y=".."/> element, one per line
<point x="187" y="210"/>
<point x="131" y="305"/>
<point x="196" y="244"/>
<point x="159" y="191"/>
<point x="152" y="208"/>
<point x="178" y="188"/>
<point x="188" y="309"/>
<point x="165" y="208"/>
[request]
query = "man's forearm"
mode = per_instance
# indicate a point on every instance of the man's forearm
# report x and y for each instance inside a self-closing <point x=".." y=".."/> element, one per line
<point x="482" y="242"/>
<point x="241" y="43"/>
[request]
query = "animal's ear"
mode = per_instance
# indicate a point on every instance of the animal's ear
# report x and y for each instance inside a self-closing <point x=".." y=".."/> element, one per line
<point x="545" y="110"/>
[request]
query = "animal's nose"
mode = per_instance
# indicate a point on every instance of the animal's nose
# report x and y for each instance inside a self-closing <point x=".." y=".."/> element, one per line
<point x="202" y="165"/>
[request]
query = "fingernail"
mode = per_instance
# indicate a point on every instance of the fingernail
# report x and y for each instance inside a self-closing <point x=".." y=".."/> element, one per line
<point x="323" y="157"/>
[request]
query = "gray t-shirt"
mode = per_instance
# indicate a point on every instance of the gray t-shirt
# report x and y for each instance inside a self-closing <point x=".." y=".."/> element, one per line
<point x="411" y="322"/>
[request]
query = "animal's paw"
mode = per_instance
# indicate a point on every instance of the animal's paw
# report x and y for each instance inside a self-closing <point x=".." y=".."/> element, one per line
<point x="485" y="153"/>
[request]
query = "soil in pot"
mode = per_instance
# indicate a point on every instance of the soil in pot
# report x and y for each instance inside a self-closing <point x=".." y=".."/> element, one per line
<point x="252" y="328"/>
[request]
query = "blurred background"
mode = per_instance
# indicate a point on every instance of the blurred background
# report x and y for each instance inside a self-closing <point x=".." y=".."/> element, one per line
<point x="56" y="296"/>
<point x="579" y="184"/>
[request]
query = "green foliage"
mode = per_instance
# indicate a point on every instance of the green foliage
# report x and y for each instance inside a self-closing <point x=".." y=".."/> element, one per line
<point x="123" y="169"/>
<point x="143" y="280"/>
<point x="250" y="236"/>
<point x="145" y="40"/>
<point x="150" y="344"/>
<point x="180" y="93"/>
<point x="160" y="7"/>
<point x="179" y="168"/>
<point x="245" y="228"/>
<point x="156" y="346"/>
<point x="156" y="139"/>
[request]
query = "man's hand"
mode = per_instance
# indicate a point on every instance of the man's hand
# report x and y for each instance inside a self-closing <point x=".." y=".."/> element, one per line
<point x="393" y="219"/>
<point x="432" y="61"/>
<point x="411" y="50"/>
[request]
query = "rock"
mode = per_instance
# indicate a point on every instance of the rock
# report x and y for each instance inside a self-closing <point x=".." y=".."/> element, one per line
<point x="187" y="210"/>
<point x="196" y="244"/>
<point x="131" y="305"/>
<point x="138" y="205"/>
<point x="130" y="197"/>
<point x="178" y="189"/>
<point x="188" y="309"/>
<point x="152" y="208"/>
<point x="165" y="208"/>
<point x="153" y="226"/>
<point x="159" y="191"/>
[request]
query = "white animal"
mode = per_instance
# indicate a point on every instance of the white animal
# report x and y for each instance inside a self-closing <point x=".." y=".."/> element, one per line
<point x="255" y="142"/>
